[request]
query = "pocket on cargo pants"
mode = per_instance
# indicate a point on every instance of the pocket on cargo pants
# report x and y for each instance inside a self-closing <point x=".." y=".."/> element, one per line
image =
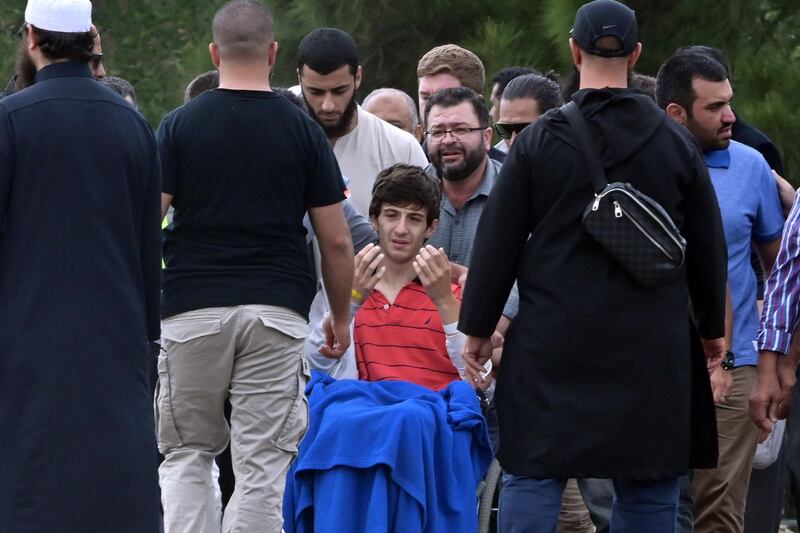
<point x="166" y="430"/>
<point x="295" y="424"/>
<point x="179" y="334"/>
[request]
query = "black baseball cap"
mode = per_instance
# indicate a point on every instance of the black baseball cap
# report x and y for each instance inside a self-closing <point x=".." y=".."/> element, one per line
<point x="602" y="18"/>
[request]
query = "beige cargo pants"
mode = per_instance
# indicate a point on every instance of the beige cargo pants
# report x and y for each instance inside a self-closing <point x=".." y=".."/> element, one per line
<point x="252" y="354"/>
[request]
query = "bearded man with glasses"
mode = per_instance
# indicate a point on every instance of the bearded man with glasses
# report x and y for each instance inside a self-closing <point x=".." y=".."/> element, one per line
<point x="458" y="140"/>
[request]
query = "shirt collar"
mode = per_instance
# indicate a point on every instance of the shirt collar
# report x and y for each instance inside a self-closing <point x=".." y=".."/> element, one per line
<point x="718" y="158"/>
<point x="64" y="70"/>
<point x="489" y="177"/>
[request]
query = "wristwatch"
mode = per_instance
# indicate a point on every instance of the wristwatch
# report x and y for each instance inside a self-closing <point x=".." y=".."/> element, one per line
<point x="729" y="361"/>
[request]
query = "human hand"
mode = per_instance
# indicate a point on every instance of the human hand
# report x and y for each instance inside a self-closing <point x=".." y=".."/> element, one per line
<point x="497" y="348"/>
<point x="458" y="274"/>
<point x="721" y="383"/>
<point x="787" y="379"/>
<point x="337" y="337"/>
<point x="368" y="270"/>
<point x="433" y="269"/>
<point x="477" y="350"/>
<point x="786" y="191"/>
<point x="766" y="396"/>
<point x="714" y="350"/>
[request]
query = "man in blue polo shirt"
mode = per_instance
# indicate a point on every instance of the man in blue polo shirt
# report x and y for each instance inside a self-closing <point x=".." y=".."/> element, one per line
<point x="695" y="91"/>
<point x="79" y="291"/>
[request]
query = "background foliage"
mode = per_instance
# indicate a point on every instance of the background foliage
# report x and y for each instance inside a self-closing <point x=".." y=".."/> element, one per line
<point x="160" y="45"/>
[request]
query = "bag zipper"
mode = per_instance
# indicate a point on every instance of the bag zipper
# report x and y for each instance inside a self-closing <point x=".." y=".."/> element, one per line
<point x="641" y="230"/>
<point x="599" y="197"/>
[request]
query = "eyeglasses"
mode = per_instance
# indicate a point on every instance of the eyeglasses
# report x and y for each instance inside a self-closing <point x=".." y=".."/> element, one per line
<point x="96" y="60"/>
<point x="507" y="130"/>
<point x="457" y="133"/>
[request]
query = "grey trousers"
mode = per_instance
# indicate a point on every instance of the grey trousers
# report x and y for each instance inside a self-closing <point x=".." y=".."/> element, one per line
<point x="252" y="354"/>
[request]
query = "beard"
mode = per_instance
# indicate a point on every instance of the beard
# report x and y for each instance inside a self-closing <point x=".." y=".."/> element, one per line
<point x="710" y="141"/>
<point x="462" y="170"/>
<point x="25" y="69"/>
<point x="341" y="127"/>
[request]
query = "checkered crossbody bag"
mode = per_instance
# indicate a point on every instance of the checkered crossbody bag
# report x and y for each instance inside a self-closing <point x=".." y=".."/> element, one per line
<point x="631" y="226"/>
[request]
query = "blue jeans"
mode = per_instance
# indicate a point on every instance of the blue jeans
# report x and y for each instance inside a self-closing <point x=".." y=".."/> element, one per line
<point x="531" y="505"/>
<point x="685" y="522"/>
<point x="598" y="495"/>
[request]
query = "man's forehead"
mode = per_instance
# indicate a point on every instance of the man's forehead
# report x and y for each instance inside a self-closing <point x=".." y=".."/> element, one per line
<point x="461" y="113"/>
<point x="387" y="101"/>
<point x="706" y="90"/>
<point x="436" y="82"/>
<point x="405" y="209"/>
<point x="519" y="110"/>
<point x="340" y="76"/>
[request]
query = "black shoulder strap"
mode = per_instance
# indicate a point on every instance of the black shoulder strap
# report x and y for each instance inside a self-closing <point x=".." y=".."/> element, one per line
<point x="578" y="124"/>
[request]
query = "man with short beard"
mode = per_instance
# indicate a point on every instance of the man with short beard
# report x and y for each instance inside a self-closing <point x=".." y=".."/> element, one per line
<point x="329" y="76"/>
<point x="694" y="90"/>
<point x="458" y="139"/>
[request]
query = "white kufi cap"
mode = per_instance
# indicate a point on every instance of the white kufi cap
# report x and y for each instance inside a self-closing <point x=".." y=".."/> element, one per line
<point x="68" y="16"/>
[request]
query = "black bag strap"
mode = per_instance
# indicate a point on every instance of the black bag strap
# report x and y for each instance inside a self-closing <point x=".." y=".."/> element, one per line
<point x="585" y="144"/>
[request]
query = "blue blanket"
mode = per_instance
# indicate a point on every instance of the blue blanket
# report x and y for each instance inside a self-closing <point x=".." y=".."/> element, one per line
<point x="388" y="456"/>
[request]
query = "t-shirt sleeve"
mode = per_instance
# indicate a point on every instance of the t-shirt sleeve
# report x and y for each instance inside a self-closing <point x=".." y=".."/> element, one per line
<point x="768" y="224"/>
<point x="167" y="155"/>
<point x="325" y="185"/>
<point x="416" y="155"/>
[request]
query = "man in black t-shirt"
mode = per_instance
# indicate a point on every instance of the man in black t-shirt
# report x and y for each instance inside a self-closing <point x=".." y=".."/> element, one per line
<point x="241" y="167"/>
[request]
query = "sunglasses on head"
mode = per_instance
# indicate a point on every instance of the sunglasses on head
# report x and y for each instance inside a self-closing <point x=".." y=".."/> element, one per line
<point x="507" y="130"/>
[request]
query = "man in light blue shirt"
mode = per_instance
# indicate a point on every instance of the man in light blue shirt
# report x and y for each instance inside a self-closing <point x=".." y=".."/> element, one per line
<point x="694" y="90"/>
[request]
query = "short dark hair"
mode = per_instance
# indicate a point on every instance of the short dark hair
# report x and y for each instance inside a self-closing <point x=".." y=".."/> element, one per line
<point x="456" y="95"/>
<point x="505" y="75"/>
<point x="674" y="79"/>
<point x="544" y="90"/>
<point x="714" y="53"/>
<point x="293" y="98"/>
<point x="75" y="47"/>
<point x="327" y="49"/>
<point x="202" y="83"/>
<point x="406" y="185"/>
<point x="119" y="86"/>
<point x="243" y="30"/>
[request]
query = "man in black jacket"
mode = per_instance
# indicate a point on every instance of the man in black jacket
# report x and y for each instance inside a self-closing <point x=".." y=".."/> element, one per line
<point x="597" y="371"/>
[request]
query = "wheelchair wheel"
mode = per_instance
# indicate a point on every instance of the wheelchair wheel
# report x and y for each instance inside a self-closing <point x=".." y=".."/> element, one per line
<point x="487" y="499"/>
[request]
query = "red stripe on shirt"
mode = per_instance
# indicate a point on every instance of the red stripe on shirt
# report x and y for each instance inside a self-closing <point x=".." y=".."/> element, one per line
<point x="404" y="340"/>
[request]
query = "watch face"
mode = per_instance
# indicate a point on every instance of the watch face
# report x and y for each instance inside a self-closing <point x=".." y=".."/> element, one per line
<point x="728" y="361"/>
